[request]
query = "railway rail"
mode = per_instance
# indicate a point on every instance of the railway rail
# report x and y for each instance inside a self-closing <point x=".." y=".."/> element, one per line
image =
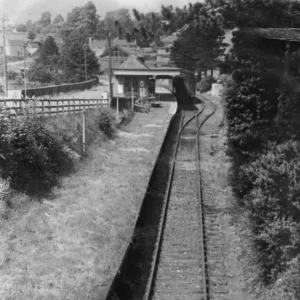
<point x="180" y="266"/>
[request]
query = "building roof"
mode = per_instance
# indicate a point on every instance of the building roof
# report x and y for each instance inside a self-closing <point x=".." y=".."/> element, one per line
<point x="132" y="63"/>
<point x="33" y="45"/>
<point x="98" y="44"/>
<point x="286" y="34"/>
<point x="16" y="43"/>
<point x="169" y="39"/>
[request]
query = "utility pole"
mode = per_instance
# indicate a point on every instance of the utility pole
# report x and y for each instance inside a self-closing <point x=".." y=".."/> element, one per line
<point x="109" y="67"/>
<point x="85" y="67"/>
<point x="25" y="81"/>
<point x="4" y="60"/>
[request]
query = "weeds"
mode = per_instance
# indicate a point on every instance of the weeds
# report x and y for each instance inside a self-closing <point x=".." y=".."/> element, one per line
<point x="36" y="151"/>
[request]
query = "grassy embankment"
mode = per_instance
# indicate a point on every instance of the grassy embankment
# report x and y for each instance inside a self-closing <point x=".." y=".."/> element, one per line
<point x="69" y="244"/>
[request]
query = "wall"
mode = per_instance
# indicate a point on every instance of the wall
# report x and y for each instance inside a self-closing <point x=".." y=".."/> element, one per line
<point x="56" y="89"/>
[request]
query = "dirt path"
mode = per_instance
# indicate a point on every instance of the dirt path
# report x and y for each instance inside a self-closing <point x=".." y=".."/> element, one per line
<point x="218" y="196"/>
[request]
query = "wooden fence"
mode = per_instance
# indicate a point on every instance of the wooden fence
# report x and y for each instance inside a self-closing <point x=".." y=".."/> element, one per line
<point x="50" y="107"/>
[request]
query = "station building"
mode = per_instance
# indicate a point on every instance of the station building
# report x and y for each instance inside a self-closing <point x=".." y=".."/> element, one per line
<point x="134" y="78"/>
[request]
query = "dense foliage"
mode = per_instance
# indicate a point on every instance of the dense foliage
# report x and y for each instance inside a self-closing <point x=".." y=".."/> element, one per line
<point x="72" y="60"/>
<point x="35" y="152"/>
<point x="262" y="112"/>
<point x="199" y="45"/>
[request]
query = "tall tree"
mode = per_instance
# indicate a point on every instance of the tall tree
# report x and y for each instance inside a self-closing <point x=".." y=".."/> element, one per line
<point x="199" y="44"/>
<point x="45" y="19"/>
<point x="58" y="19"/>
<point x="73" y="62"/>
<point x="118" y="23"/>
<point x="84" y="20"/>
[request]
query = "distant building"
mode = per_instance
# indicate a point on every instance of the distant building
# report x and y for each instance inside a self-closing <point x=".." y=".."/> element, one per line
<point x="32" y="48"/>
<point x="152" y="56"/>
<point x="14" y="48"/>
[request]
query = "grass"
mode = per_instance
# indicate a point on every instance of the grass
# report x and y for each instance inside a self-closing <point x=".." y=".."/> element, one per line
<point x="69" y="246"/>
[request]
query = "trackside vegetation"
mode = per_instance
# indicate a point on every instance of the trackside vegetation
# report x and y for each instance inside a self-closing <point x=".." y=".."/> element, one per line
<point x="262" y="113"/>
<point x="36" y="151"/>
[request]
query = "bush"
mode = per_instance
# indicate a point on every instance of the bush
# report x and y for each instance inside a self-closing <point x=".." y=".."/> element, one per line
<point x="287" y="285"/>
<point x="41" y="74"/>
<point x="30" y="158"/>
<point x="35" y="152"/>
<point x="205" y="84"/>
<point x="105" y="123"/>
<point x="12" y="75"/>
<point x="275" y="206"/>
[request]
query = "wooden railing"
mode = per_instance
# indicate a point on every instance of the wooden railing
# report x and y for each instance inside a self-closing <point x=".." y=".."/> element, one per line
<point x="50" y="106"/>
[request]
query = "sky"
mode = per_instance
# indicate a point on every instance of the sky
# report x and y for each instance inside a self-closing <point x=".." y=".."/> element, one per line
<point x="18" y="11"/>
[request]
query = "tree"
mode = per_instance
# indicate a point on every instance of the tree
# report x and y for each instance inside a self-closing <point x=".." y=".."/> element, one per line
<point x="84" y="20"/>
<point x="147" y="28"/>
<point x="45" y="19"/>
<point x="31" y="35"/>
<point x="45" y="68"/>
<point x="58" y="19"/>
<point x="199" y="45"/>
<point x="21" y="28"/>
<point x="72" y="59"/>
<point x="118" y="23"/>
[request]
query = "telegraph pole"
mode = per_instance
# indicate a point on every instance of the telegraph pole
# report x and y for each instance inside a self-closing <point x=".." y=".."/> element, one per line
<point x="25" y="81"/>
<point x="4" y="60"/>
<point x="85" y="67"/>
<point x="109" y="67"/>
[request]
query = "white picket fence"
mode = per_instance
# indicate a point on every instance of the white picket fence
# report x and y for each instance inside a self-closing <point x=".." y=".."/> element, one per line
<point x="50" y="107"/>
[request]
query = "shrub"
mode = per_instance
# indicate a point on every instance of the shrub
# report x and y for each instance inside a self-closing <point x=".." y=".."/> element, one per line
<point x="105" y="123"/>
<point x="41" y="74"/>
<point x="205" y="84"/>
<point x="12" y="75"/>
<point x="287" y="285"/>
<point x="275" y="206"/>
<point x="31" y="158"/>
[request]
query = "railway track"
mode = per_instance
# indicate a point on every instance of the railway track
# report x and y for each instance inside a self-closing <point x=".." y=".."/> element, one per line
<point x="180" y="268"/>
<point x="176" y="250"/>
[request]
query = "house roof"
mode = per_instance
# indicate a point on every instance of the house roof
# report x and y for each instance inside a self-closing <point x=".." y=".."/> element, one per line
<point x="33" y="45"/>
<point x="169" y="39"/>
<point x="132" y="63"/>
<point x="286" y="34"/>
<point x="98" y="44"/>
<point x="16" y="43"/>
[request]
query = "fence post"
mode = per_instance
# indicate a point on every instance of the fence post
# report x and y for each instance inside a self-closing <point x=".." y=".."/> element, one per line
<point x="49" y="102"/>
<point x="132" y="99"/>
<point x="117" y="112"/>
<point x="57" y="101"/>
<point x="83" y="133"/>
<point x="43" y="108"/>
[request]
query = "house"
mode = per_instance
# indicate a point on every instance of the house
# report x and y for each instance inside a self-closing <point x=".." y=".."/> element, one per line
<point x="119" y="53"/>
<point x="14" y="48"/>
<point x="98" y="46"/>
<point x="32" y="48"/>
